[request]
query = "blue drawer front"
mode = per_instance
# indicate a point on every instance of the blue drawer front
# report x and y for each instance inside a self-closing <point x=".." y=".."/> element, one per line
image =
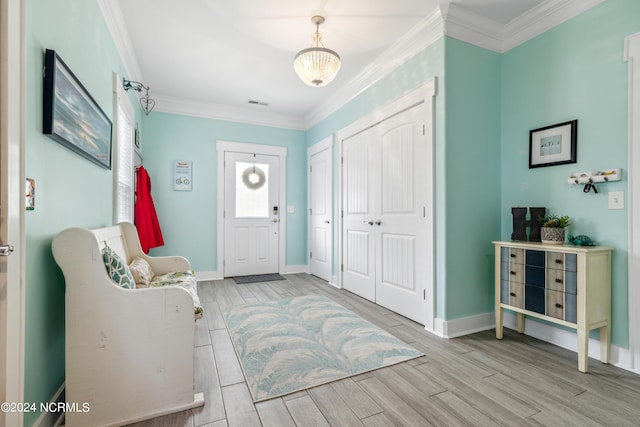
<point x="534" y="276"/>
<point x="504" y="270"/>
<point x="571" y="282"/>
<point x="571" y="262"/>
<point x="504" y="291"/>
<point x="534" y="299"/>
<point x="535" y="258"/>
<point x="570" y="308"/>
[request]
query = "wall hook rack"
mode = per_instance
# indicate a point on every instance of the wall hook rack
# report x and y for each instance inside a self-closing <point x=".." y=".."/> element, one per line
<point x="589" y="179"/>
<point x="592" y="177"/>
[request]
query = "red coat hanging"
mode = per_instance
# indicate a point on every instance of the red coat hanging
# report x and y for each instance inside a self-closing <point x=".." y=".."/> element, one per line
<point x="145" y="217"/>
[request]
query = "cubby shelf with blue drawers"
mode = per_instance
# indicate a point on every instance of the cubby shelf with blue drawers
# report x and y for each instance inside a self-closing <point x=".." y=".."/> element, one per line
<point x="563" y="284"/>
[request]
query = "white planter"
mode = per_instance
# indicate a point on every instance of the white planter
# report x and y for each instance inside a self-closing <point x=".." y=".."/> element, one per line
<point x="552" y="236"/>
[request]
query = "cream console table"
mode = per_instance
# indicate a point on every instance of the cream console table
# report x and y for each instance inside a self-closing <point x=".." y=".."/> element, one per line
<point x="562" y="284"/>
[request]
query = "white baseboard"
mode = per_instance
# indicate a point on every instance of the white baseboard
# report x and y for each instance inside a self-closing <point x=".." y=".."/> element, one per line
<point x="291" y="269"/>
<point x="52" y="418"/>
<point x="463" y="326"/>
<point x="202" y="276"/>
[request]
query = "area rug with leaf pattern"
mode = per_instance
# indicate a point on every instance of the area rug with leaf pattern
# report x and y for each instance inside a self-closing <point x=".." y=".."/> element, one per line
<point x="296" y="343"/>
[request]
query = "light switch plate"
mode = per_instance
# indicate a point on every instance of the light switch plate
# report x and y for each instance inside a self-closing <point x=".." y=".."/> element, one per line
<point x="616" y="200"/>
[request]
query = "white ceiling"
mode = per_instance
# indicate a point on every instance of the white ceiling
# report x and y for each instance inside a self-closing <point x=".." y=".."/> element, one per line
<point x="224" y="53"/>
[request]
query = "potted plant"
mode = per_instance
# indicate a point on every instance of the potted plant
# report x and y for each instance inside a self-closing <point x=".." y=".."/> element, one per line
<point x="552" y="231"/>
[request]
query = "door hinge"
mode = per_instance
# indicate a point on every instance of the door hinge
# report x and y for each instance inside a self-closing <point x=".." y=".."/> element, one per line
<point x="342" y="160"/>
<point x="424" y="212"/>
<point x="310" y="211"/>
<point x="223" y="263"/>
<point x="310" y="169"/>
<point x="342" y="214"/>
<point x="424" y="130"/>
<point x="310" y="254"/>
<point x="224" y="214"/>
<point x="424" y="294"/>
<point x="341" y="267"/>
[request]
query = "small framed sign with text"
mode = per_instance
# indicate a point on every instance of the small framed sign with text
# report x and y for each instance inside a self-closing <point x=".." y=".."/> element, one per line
<point x="182" y="175"/>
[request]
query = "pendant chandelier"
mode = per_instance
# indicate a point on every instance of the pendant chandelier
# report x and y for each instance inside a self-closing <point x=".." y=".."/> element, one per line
<point x="317" y="65"/>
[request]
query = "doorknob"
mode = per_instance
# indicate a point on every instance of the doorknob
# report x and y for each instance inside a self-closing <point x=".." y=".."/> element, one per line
<point x="274" y="220"/>
<point x="327" y="222"/>
<point x="370" y="222"/>
<point x="378" y="222"/>
<point x="6" y="250"/>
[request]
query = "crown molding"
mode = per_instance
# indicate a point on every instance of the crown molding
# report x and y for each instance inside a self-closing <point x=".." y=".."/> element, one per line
<point x="249" y="115"/>
<point x="464" y="25"/>
<point x="115" y="23"/>
<point x="541" y="18"/>
<point x="426" y="32"/>
<point x="467" y="26"/>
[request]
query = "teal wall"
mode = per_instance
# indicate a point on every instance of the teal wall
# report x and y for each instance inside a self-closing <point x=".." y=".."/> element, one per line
<point x="70" y="190"/>
<point x="574" y="71"/>
<point x="471" y="187"/>
<point x="189" y="218"/>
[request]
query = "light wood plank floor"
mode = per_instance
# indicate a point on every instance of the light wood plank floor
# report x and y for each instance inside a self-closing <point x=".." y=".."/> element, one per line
<point x="472" y="381"/>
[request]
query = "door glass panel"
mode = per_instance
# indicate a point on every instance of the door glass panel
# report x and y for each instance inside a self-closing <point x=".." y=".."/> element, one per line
<point x="252" y="190"/>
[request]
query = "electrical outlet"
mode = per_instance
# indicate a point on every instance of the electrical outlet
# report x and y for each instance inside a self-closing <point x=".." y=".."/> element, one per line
<point x="616" y="200"/>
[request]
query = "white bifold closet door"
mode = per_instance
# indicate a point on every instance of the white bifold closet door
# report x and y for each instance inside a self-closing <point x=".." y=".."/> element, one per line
<point x="386" y="186"/>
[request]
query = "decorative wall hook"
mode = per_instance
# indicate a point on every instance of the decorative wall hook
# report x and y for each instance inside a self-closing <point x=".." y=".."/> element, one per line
<point x="592" y="177"/>
<point x="146" y="103"/>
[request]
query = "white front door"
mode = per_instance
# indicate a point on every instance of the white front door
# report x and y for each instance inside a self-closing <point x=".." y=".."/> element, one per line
<point x="386" y="188"/>
<point x="320" y="244"/>
<point x="251" y="214"/>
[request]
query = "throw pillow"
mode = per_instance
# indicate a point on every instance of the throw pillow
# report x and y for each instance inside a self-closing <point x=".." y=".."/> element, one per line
<point x="117" y="269"/>
<point x="141" y="272"/>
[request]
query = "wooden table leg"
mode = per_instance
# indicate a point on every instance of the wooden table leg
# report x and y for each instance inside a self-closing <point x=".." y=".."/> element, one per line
<point x="605" y="343"/>
<point x="520" y="322"/>
<point x="499" y="319"/>
<point x="583" y="349"/>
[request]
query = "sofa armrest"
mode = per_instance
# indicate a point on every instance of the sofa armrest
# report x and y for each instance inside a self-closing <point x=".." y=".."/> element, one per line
<point x="159" y="265"/>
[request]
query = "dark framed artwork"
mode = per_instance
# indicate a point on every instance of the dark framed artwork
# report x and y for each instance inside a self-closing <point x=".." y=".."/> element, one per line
<point x="71" y="116"/>
<point x="553" y="145"/>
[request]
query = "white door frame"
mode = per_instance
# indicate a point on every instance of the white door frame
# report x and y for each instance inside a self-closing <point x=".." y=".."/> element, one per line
<point x="424" y="93"/>
<point x="12" y="140"/>
<point x="270" y="150"/>
<point x="324" y="144"/>
<point x="632" y="56"/>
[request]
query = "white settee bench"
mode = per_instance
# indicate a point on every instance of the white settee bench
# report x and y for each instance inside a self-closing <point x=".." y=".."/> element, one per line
<point x="129" y="352"/>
